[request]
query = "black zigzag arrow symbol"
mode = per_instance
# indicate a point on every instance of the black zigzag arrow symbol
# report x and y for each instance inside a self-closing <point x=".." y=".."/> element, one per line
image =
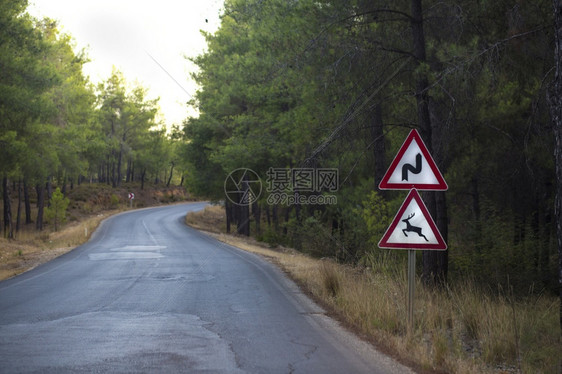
<point x="410" y="168"/>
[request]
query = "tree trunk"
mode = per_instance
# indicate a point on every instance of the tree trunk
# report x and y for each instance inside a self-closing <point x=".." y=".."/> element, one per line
<point x="27" y="203"/>
<point x="287" y="215"/>
<point x="128" y="172"/>
<point x="119" y="160"/>
<point x="378" y="147"/>
<point x="49" y="190"/>
<point x="442" y="223"/>
<point x="544" y="227"/>
<point x="8" y="229"/>
<point x="228" y="212"/>
<point x="113" y="177"/>
<point x="235" y="218"/>
<point x="477" y="239"/>
<point x="40" y="205"/>
<point x="18" y="215"/>
<point x="267" y="215"/>
<point x="554" y="98"/>
<point x="434" y="262"/>
<point x="104" y="172"/>
<point x="256" y="210"/>
<point x="171" y="173"/>
<point x="143" y="173"/>
<point x="441" y="217"/>
<point x="132" y="171"/>
<point x="275" y="218"/>
<point x="244" y="219"/>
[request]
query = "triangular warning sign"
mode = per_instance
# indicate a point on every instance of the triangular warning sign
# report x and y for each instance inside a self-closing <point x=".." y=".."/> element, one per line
<point x="413" y="227"/>
<point x="413" y="167"/>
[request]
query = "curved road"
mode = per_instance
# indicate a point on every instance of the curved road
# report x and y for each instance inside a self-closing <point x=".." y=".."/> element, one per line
<point x="148" y="294"/>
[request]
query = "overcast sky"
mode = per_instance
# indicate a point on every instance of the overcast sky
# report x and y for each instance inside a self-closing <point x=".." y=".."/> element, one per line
<point x="146" y="40"/>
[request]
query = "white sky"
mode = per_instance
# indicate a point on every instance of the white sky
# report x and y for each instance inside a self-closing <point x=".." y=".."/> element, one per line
<point x="125" y="33"/>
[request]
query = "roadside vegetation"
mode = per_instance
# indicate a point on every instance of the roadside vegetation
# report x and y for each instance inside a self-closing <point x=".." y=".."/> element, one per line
<point x="71" y="151"/>
<point x="289" y="88"/>
<point x="58" y="129"/>
<point x="462" y="328"/>
<point x="292" y="88"/>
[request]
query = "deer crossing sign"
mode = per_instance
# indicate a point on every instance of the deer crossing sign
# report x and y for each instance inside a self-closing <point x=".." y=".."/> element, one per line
<point x="413" y="227"/>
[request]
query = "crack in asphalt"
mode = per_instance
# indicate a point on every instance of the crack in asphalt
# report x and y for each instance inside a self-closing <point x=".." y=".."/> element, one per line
<point x="312" y="348"/>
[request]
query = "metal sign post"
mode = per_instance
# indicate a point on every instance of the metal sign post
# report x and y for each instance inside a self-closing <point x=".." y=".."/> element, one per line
<point x="411" y="288"/>
<point x="413" y="228"/>
<point x="131" y="198"/>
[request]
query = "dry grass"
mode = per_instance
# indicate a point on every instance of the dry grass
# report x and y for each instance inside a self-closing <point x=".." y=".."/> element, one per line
<point x="459" y="330"/>
<point x="32" y="248"/>
<point x="209" y="219"/>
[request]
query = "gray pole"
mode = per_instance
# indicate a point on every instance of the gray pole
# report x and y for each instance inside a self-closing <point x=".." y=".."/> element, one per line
<point x="411" y="288"/>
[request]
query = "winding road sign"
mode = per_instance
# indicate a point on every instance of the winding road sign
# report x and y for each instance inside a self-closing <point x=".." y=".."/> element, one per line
<point x="413" y="167"/>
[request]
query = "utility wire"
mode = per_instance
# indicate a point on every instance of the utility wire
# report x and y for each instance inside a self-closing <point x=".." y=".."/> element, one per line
<point x="169" y="75"/>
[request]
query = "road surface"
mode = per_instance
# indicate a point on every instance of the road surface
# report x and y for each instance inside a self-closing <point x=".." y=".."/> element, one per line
<point x="148" y="294"/>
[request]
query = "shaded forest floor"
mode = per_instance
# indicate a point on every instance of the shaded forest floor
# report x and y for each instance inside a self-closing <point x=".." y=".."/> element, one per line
<point x="89" y="205"/>
<point x="461" y="329"/>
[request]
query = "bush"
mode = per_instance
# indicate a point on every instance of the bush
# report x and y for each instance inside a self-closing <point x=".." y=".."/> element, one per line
<point x="114" y="200"/>
<point x="374" y="212"/>
<point x="311" y="236"/>
<point x="269" y="236"/>
<point x="57" y="209"/>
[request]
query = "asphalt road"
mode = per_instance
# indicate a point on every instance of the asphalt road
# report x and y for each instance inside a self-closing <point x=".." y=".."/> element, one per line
<point x="148" y="294"/>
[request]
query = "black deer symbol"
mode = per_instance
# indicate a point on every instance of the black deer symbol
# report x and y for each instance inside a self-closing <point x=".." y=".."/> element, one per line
<point x="410" y="228"/>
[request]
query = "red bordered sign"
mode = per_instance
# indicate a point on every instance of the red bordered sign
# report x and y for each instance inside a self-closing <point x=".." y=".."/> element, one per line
<point x="413" y="227"/>
<point x="413" y="167"/>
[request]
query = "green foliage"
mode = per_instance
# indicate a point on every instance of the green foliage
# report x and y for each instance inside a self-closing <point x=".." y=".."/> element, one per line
<point x="312" y="236"/>
<point x="57" y="208"/>
<point x="55" y="127"/>
<point x="270" y="236"/>
<point x="25" y="77"/>
<point x="292" y="84"/>
<point x="503" y="251"/>
<point x="376" y="215"/>
<point x="114" y="200"/>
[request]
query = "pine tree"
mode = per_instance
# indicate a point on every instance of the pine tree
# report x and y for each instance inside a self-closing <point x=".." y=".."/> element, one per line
<point x="57" y="210"/>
